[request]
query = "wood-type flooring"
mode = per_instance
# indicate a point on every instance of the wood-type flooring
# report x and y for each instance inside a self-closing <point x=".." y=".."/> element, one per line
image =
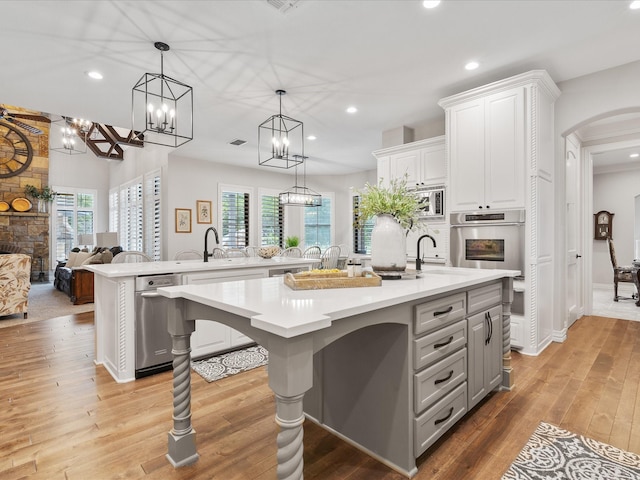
<point x="63" y="417"/>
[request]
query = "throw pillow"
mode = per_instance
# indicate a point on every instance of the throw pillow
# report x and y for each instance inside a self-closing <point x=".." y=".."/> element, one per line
<point x="72" y="262"/>
<point x="107" y="256"/>
<point x="80" y="258"/>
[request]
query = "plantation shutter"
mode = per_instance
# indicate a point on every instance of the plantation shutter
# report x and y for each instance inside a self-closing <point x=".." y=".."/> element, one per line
<point x="361" y="233"/>
<point x="235" y="219"/>
<point x="272" y="215"/>
<point x="152" y="217"/>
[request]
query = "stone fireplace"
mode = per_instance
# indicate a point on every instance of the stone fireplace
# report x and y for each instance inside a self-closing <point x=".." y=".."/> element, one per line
<point x="28" y="231"/>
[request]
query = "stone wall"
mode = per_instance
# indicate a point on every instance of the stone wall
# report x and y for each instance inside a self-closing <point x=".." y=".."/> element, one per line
<point x="28" y="230"/>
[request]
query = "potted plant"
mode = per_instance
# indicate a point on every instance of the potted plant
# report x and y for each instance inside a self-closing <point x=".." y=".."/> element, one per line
<point x="44" y="196"/>
<point x="292" y="241"/>
<point x="396" y="210"/>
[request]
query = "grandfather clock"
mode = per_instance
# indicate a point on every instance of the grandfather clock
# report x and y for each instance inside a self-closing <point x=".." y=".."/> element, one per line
<point x="603" y="225"/>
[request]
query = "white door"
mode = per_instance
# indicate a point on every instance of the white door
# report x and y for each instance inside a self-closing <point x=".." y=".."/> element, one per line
<point x="572" y="231"/>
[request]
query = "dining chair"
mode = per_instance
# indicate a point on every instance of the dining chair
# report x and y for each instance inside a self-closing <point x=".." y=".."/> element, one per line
<point x="294" y="252"/>
<point x="131" y="256"/>
<point x="218" y="252"/>
<point x="620" y="274"/>
<point x="251" y="251"/>
<point x="329" y="258"/>
<point x="312" y="252"/>
<point x="236" y="253"/>
<point x="188" y="254"/>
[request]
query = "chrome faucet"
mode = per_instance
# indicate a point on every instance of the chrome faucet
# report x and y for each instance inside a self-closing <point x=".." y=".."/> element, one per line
<point x="418" y="260"/>
<point x="206" y="249"/>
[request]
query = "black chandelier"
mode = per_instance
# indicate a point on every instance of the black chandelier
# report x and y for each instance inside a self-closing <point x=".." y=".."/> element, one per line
<point x="72" y="138"/>
<point x="280" y="140"/>
<point x="162" y="107"/>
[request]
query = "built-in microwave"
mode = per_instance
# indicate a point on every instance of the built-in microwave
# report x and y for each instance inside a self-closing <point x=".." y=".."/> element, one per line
<point x="431" y="202"/>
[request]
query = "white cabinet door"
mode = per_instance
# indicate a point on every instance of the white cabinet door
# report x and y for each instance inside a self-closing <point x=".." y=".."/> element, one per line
<point x="384" y="171"/>
<point x="406" y="164"/>
<point x="466" y="156"/>
<point x="504" y="162"/>
<point x="484" y="345"/>
<point x="433" y="167"/>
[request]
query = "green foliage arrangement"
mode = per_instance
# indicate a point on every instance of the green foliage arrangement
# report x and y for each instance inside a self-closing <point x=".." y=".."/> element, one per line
<point x="396" y="200"/>
<point x="292" y="241"/>
<point x="45" y="193"/>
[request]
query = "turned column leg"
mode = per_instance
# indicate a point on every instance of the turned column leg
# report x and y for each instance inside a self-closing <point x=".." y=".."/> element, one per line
<point x="290" y="418"/>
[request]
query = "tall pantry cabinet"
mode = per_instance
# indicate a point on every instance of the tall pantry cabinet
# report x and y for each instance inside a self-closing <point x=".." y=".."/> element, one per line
<point x="499" y="140"/>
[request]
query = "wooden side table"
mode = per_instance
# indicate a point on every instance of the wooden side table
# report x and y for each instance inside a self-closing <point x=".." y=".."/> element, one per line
<point x="81" y="286"/>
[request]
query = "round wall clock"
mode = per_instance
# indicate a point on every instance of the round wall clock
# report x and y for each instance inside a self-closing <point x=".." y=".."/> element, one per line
<point x="16" y="151"/>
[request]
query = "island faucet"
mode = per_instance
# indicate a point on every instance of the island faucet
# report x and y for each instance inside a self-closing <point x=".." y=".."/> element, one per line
<point x="206" y="249"/>
<point x="418" y="260"/>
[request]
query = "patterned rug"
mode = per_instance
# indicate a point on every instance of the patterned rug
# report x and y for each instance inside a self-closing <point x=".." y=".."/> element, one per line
<point x="220" y="366"/>
<point x="555" y="454"/>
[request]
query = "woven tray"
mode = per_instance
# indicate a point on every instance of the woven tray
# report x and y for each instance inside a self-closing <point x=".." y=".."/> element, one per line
<point x="311" y="281"/>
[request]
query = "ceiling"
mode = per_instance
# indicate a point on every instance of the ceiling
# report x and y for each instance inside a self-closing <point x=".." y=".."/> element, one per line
<point x="392" y="59"/>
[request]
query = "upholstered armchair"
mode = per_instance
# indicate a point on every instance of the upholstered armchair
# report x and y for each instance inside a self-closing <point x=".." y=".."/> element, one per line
<point x="620" y="274"/>
<point x="15" y="282"/>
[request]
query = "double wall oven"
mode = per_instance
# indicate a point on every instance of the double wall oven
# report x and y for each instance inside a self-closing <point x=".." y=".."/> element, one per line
<point x="490" y="240"/>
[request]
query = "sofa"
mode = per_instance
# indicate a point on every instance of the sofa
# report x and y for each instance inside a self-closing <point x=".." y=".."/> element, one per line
<point x="76" y="282"/>
<point x="15" y="283"/>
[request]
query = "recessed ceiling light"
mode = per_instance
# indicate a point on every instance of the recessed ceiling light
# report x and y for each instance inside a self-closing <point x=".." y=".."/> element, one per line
<point x="352" y="110"/>
<point x="471" y="66"/>
<point x="430" y="3"/>
<point x="634" y="155"/>
<point x="95" y="75"/>
<point x="311" y="137"/>
<point x="634" y="5"/>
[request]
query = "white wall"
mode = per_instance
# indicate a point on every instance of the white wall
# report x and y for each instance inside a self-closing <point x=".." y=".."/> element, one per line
<point x="615" y="192"/>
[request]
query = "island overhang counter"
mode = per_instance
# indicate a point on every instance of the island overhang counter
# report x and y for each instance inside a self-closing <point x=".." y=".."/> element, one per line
<point x="388" y="369"/>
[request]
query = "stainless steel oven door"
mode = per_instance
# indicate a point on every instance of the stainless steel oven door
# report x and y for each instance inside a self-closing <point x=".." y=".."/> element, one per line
<point x="488" y="246"/>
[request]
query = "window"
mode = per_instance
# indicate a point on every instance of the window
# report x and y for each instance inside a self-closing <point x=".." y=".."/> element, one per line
<point x="234" y="204"/>
<point x="271" y="220"/>
<point x="75" y="215"/>
<point x="361" y="234"/>
<point x="317" y="223"/>
<point x="134" y="212"/>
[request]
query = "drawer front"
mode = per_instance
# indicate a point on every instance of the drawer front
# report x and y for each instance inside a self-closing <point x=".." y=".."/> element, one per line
<point x="441" y="312"/>
<point x="429" y="426"/>
<point x="437" y="345"/>
<point x="484" y="297"/>
<point x="435" y="382"/>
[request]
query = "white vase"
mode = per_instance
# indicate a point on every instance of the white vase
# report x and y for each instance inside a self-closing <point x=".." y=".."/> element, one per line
<point x="43" y="206"/>
<point x="388" y="245"/>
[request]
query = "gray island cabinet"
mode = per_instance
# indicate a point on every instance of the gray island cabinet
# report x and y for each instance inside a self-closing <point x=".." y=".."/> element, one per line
<point x="388" y="369"/>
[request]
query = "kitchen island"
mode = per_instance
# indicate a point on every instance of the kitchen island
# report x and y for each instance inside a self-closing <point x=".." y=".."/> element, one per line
<point x="115" y="303"/>
<point x="388" y="369"/>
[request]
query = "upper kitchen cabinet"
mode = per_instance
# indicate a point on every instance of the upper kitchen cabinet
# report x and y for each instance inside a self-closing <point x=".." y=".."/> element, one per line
<point x="423" y="162"/>
<point x="491" y="135"/>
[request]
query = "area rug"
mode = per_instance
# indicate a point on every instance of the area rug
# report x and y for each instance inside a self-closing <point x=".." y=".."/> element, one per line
<point x="555" y="454"/>
<point x="221" y="366"/>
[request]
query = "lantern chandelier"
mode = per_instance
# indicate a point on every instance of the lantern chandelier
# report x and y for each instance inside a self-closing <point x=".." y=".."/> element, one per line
<point x="300" y="196"/>
<point x="280" y="140"/>
<point x="73" y="136"/>
<point x="162" y="107"/>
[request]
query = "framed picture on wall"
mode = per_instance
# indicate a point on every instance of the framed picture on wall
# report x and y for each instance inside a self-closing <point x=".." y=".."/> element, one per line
<point x="203" y="207"/>
<point x="183" y="220"/>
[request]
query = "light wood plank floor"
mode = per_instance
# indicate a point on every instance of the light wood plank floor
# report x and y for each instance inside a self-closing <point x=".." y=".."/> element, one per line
<point x="62" y="417"/>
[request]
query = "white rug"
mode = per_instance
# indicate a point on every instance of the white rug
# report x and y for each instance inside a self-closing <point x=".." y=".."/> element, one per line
<point x="221" y="366"/>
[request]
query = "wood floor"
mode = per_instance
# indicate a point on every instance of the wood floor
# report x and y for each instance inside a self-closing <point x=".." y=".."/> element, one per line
<point x="62" y="417"/>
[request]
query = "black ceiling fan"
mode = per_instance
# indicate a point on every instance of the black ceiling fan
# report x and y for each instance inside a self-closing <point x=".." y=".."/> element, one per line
<point x="12" y="118"/>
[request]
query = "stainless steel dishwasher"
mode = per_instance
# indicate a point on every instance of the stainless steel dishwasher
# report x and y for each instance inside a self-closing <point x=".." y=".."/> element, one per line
<point x="153" y="342"/>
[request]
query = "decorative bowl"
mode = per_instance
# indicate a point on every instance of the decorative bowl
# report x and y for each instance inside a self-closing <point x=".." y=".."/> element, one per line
<point x="21" y="204"/>
<point x="268" y="252"/>
<point x="4" y="206"/>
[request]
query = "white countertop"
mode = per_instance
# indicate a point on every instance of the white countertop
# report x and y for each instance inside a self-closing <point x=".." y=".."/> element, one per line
<point x="274" y="307"/>
<point x="189" y="266"/>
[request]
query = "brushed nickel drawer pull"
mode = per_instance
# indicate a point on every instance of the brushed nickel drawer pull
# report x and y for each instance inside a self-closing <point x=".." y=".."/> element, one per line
<point x="440" y="420"/>
<point x="439" y="345"/>
<point x="441" y="380"/>
<point x="442" y="312"/>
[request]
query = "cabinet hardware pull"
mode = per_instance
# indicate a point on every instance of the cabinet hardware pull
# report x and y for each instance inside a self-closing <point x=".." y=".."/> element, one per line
<point x="490" y="321"/>
<point x="442" y="312"/>
<point x="440" y="420"/>
<point x="440" y="380"/>
<point x="439" y="345"/>
<point x="486" y="322"/>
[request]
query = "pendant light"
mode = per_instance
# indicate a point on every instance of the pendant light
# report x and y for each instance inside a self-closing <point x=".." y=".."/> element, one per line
<point x="280" y="140"/>
<point x="71" y="136"/>
<point x="300" y="196"/>
<point x="162" y="107"/>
